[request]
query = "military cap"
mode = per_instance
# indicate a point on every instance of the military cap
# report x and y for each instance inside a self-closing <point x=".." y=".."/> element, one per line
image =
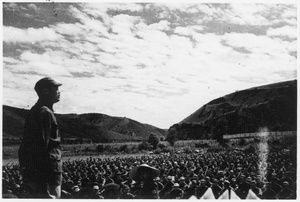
<point x="176" y="185"/>
<point x="45" y="82"/>
<point x="286" y="183"/>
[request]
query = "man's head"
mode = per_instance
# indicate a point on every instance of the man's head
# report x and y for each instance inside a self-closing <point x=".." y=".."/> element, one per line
<point x="47" y="89"/>
<point x="126" y="189"/>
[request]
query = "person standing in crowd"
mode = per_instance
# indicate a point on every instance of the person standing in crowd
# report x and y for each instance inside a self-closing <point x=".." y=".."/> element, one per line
<point x="40" y="150"/>
<point x="144" y="175"/>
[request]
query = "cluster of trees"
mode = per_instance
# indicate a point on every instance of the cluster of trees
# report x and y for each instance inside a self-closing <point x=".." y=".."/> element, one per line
<point x="151" y="143"/>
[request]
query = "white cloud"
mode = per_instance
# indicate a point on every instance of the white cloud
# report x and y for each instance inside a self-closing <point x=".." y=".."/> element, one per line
<point x="285" y="31"/>
<point x="154" y="36"/>
<point x="33" y="6"/>
<point x="100" y="10"/>
<point x="10" y="60"/>
<point x="255" y="44"/>
<point x="258" y="14"/>
<point x="208" y="9"/>
<point x="11" y="6"/>
<point x="121" y="61"/>
<point x="15" y="35"/>
<point x="183" y="31"/>
<point x="123" y="24"/>
<point x="246" y="14"/>
<point x="69" y="29"/>
<point x="104" y="7"/>
<point x="289" y="12"/>
<point x="48" y="63"/>
<point x="162" y="25"/>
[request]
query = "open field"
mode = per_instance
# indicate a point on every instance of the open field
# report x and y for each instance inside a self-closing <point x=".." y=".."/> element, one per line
<point x="71" y="158"/>
<point x="90" y="149"/>
<point x="281" y="140"/>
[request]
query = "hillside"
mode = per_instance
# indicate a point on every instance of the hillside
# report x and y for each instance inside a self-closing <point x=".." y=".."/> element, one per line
<point x="88" y="127"/>
<point x="271" y="106"/>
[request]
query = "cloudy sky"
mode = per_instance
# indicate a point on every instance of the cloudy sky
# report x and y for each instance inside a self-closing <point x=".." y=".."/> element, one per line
<point x="154" y="63"/>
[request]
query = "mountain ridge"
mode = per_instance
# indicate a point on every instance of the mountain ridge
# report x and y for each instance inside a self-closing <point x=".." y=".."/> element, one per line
<point x="272" y="106"/>
<point x="96" y="127"/>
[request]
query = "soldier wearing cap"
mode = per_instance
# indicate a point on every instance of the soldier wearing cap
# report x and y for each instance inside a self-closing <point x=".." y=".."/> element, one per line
<point x="182" y="183"/>
<point x="216" y="189"/>
<point x="40" y="150"/>
<point x="167" y="187"/>
<point x="286" y="192"/>
<point x="159" y="184"/>
<point x="126" y="193"/>
<point x="268" y="192"/>
<point x="255" y="189"/>
<point x="201" y="189"/>
<point x="175" y="193"/>
<point x="191" y="190"/>
<point x="233" y="184"/>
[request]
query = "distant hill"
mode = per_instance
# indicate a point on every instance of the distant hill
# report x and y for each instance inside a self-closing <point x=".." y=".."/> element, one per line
<point x="271" y="106"/>
<point x="92" y="127"/>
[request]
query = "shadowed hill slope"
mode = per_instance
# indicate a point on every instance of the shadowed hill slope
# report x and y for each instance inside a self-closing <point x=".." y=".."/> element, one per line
<point x="271" y="106"/>
<point x="93" y="126"/>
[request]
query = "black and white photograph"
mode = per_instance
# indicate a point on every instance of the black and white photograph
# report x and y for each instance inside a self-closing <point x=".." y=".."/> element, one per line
<point x="159" y="100"/>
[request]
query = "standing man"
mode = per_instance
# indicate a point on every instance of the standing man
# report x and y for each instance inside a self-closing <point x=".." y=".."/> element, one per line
<point x="40" y="150"/>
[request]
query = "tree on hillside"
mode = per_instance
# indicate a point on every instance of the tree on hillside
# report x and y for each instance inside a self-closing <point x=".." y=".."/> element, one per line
<point x="172" y="135"/>
<point x="153" y="140"/>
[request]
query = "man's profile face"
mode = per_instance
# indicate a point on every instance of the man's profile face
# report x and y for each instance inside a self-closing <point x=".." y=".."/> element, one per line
<point x="53" y="94"/>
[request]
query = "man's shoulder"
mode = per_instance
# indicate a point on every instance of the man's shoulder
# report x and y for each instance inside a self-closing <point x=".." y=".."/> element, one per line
<point x="45" y="109"/>
<point x="41" y="109"/>
<point x="42" y="112"/>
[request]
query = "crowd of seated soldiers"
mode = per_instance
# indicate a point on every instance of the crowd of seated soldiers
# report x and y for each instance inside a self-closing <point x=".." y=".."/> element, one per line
<point x="182" y="176"/>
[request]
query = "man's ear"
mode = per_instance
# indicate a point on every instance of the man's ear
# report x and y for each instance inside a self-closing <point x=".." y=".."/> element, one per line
<point x="45" y="91"/>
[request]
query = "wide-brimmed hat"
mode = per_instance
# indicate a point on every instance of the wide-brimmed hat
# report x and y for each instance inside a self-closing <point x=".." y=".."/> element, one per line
<point x="134" y="171"/>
